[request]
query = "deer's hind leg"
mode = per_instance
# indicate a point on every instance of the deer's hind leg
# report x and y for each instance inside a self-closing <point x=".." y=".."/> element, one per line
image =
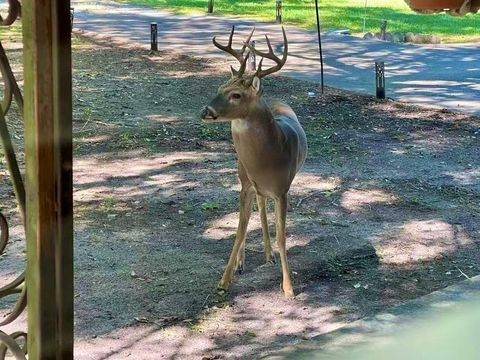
<point x="237" y="257"/>
<point x="267" y="245"/>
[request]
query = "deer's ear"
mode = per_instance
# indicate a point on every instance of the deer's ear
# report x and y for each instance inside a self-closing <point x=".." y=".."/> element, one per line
<point x="256" y="84"/>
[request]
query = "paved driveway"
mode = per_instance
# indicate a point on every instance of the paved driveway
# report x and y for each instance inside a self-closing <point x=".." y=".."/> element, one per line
<point x="442" y="76"/>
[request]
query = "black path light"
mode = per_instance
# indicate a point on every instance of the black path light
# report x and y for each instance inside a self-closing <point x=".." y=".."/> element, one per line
<point x="319" y="45"/>
<point x="154" y="36"/>
<point x="210" y="6"/>
<point x="380" y="79"/>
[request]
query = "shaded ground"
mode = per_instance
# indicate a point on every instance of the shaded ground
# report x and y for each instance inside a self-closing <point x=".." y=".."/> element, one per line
<point x="385" y="210"/>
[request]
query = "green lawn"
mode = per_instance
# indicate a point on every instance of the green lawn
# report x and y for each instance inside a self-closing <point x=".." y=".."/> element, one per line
<point x="338" y="14"/>
<point x="12" y="32"/>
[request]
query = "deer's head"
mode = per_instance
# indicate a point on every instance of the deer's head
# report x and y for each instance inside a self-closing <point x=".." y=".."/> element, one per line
<point x="238" y="96"/>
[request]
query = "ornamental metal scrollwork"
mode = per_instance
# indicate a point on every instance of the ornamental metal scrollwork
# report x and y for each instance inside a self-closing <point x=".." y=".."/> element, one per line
<point x="14" y="9"/>
<point x="15" y="343"/>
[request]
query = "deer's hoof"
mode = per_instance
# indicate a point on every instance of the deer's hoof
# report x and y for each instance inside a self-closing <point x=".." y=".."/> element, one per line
<point x="240" y="268"/>
<point x="272" y="259"/>
<point x="224" y="284"/>
<point x="288" y="292"/>
<point x="221" y="292"/>
<point x="221" y="287"/>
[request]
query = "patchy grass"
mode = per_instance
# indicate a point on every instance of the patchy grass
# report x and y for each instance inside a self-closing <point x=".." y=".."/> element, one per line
<point x="335" y="14"/>
<point x="11" y="34"/>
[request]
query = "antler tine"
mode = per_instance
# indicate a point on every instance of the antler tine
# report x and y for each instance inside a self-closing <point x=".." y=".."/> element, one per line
<point x="228" y="48"/>
<point x="271" y="56"/>
<point x="247" y="42"/>
<point x="259" y="69"/>
<point x="243" y="66"/>
<point x="270" y="49"/>
<point x="230" y="39"/>
<point x="239" y="55"/>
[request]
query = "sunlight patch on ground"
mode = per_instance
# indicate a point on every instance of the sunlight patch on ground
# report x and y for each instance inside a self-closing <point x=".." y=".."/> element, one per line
<point x="14" y="255"/>
<point x="420" y="240"/>
<point x="20" y="324"/>
<point x="254" y="323"/>
<point x="126" y="167"/>
<point x="308" y="181"/>
<point x="355" y="199"/>
<point x="431" y="141"/>
<point x="466" y="177"/>
<point x="296" y="239"/>
<point x="94" y="176"/>
<point x="162" y="118"/>
<point x="262" y="317"/>
<point x="186" y="341"/>
<point x="226" y="226"/>
<point x="93" y="139"/>
<point x="397" y="151"/>
<point x="144" y="342"/>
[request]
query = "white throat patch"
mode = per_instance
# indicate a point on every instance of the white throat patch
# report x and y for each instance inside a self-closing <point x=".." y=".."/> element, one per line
<point x="239" y="125"/>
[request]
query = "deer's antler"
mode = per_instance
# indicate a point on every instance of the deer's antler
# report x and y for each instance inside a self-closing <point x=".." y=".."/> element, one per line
<point x="239" y="55"/>
<point x="271" y="56"/>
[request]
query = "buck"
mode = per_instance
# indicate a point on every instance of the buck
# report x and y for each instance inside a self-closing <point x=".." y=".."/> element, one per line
<point x="271" y="147"/>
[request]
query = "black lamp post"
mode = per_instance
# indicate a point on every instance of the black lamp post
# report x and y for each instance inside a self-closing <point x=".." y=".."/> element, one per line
<point x="153" y="36"/>
<point x="380" y="79"/>
<point x="319" y="45"/>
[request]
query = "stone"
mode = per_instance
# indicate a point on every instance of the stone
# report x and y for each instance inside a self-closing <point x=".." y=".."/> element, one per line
<point x="368" y="36"/>
<point x="410" y="37"/>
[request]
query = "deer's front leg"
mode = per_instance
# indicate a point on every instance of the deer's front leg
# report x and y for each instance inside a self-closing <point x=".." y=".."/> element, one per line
<point x="280" y="216"/>
<point x="246" y="199"/>
<point x="267" y="246"/>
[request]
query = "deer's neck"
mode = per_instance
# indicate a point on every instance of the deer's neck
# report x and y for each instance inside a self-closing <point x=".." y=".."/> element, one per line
<point x="259" y="121"/>
<point x="257" y="133"/>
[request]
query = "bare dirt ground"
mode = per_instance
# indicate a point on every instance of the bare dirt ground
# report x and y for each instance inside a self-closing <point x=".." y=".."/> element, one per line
<point x="385" y="210"/>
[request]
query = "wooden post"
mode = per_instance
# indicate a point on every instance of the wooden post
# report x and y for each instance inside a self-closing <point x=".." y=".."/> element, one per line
<point x="278" y="11"/>
<point x="252" y="59"/>
<point x="383" y="30"/>
<point x="210" y="6"/>
<point x="48" y="150"/>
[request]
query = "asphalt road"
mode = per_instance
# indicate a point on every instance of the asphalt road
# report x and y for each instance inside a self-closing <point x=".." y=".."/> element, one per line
<point x="446" y="76"/>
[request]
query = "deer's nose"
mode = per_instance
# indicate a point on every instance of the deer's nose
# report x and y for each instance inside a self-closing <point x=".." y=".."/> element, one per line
<point x="209" y="113"/>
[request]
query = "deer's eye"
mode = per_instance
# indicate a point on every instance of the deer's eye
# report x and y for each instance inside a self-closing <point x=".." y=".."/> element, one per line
<point x="235" y="96"/>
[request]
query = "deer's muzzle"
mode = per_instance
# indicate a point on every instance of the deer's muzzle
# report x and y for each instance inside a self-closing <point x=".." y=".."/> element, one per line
<point x="209" y="113"/>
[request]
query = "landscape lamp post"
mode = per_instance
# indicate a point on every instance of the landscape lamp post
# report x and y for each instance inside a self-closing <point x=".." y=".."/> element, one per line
<point x="319" y="45"/>
<point x="380" y="79"/>
<point x="154" y="36"/>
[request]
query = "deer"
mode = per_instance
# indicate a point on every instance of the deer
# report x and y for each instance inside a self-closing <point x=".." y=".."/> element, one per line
<point x="271" y="148"/>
